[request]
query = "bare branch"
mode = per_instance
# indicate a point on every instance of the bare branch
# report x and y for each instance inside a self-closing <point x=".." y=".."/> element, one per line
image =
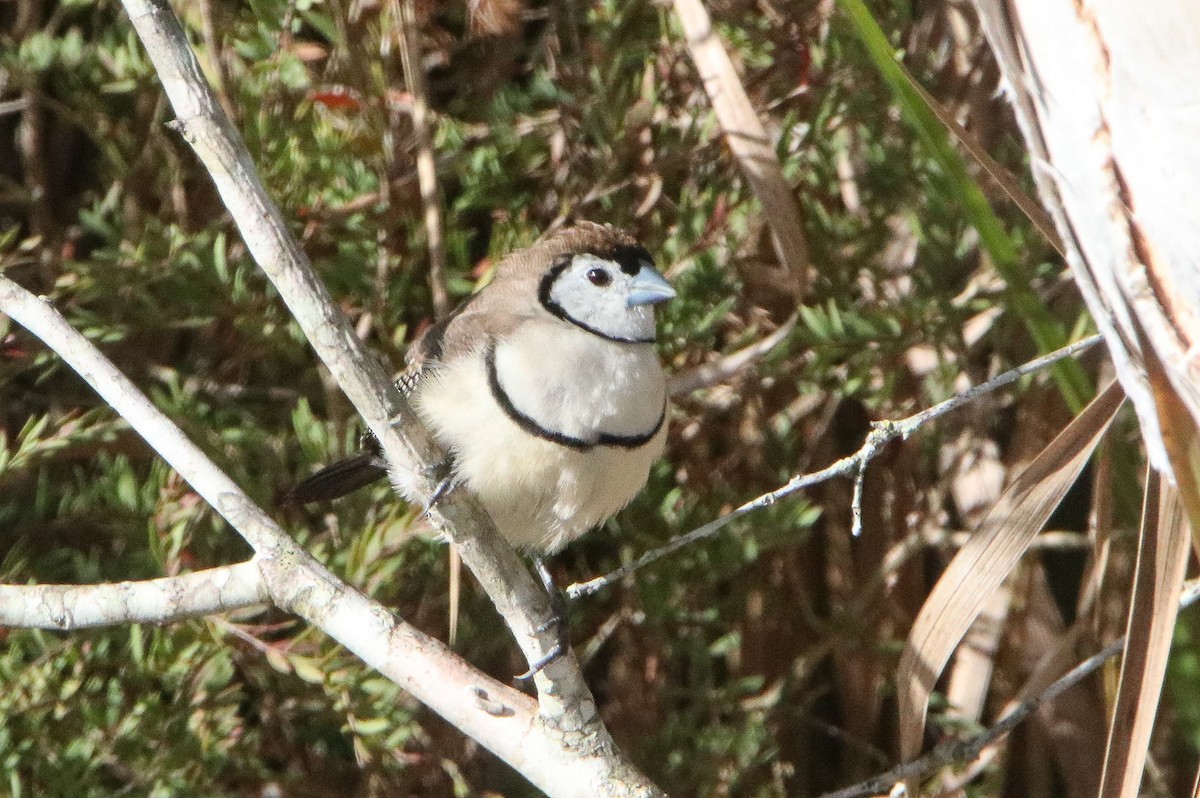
<point x="172" y="598"/>
<point x="911" y="424"/>
<point x="13" y="106"/>
<point x="883" y="433"/>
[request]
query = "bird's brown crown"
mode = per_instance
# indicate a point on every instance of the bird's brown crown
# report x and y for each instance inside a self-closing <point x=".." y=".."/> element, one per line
<point x="601" y="240"/>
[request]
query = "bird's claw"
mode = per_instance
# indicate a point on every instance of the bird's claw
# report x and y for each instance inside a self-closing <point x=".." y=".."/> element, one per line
<point x="535" y="667"/>
<point x="446" y="484"/>
<point x="557" y="622"/>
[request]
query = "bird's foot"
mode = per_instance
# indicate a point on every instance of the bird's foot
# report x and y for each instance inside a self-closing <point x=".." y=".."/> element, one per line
<point x="557" y="623"/>
<point x="447" y="482"/>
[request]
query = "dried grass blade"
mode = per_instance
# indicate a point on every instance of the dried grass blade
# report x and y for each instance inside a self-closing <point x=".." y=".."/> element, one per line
<point x="980" y="567"/>
<point x="1163" y="550"/>
<point x="970" y="677"/>
<point x="997" y="174"/>
<point x="405" y="13"/>
<point x="747" y="138"/>
<point x="1162" y="560"/>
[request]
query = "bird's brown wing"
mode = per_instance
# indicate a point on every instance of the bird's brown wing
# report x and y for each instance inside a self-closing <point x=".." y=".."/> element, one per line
<point x="467" y="327"/>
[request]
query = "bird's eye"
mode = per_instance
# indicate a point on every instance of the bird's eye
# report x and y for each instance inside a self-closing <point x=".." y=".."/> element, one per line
<point x="599" y="277"/>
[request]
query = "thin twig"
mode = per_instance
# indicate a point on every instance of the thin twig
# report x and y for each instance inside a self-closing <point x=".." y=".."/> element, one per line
<point x="414" y="75"/>
<point x="966" y="750"/>
<point x="32" y="143"/>
<point x="909" y="425"/>
<point x="410" y="56"/>
<point x="886" y="431"/>
<point x="883" y="433"/>
<point x="13" y="106"/>
<point x="856" y="498"/>
<point x="208" y="30"/>
<point x="712" y="373"/>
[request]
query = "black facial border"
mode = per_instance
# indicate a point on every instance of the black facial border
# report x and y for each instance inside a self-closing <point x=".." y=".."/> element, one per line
<point x="560" y="265"/>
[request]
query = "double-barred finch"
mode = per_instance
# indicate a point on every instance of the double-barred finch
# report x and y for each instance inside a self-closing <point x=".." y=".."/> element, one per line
<point x="544" y="387"/>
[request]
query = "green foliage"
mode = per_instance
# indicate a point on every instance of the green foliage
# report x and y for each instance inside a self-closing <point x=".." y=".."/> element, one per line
<point x="1183" y="679"/>
<point x="1047" y="331"/>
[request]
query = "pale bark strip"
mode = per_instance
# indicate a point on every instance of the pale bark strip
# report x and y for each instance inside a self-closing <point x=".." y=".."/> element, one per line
<point x="411" y="453"/>
<point x="1106" y="98"/>
<point x="158" y="601"/>
<point x="747" y="138"/>
<point x="1105" y="95"/>
<point x="559" y="758"/>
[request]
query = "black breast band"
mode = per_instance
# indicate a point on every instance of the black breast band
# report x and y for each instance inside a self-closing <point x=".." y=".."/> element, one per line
<point x="561" y="438"/>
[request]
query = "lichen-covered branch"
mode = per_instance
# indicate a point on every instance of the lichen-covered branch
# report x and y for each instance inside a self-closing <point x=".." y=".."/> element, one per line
<point x="171" y="598"/>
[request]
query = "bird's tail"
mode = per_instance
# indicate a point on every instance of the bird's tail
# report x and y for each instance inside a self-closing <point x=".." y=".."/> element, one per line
<point x="338" y="479"/>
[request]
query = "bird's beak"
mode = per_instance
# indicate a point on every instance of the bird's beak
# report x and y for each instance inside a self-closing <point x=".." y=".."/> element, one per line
<point x="649" y="288"/>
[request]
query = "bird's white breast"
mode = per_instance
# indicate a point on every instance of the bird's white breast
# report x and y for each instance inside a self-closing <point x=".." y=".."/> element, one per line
<point x="541" y="493"/>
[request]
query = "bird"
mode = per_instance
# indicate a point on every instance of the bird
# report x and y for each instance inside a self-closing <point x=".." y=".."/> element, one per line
<point x="545" y="388"/>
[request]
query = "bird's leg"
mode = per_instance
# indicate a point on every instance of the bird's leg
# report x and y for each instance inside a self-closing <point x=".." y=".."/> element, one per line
<point x="444" y="473"/>
<point x="558" y="602"/>
<point x="558" y="622"/>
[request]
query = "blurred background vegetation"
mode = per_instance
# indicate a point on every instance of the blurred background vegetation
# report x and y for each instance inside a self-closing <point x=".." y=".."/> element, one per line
<point x="758" y="663"/>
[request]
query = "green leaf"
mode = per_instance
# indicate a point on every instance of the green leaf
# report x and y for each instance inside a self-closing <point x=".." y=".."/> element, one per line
<point x="1047" y="331"/>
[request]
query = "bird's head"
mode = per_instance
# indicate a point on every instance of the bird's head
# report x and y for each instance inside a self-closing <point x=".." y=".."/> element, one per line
<point x="600" y="279"/>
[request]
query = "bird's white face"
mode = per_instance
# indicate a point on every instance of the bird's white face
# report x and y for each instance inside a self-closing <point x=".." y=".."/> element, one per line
<point x="611" y="298"/>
